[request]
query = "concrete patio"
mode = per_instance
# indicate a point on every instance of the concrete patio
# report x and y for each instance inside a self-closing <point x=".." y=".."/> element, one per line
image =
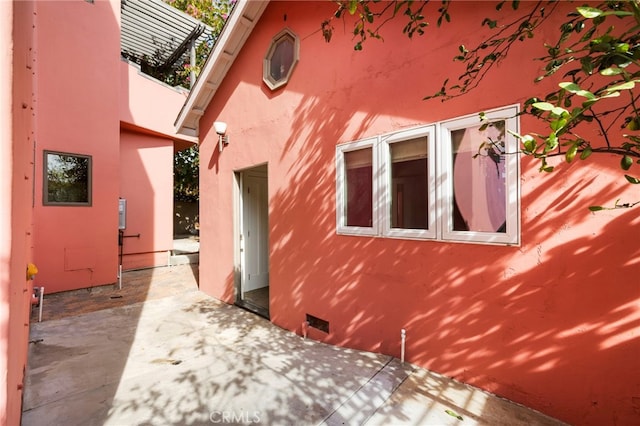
<point x="161" y="352"/>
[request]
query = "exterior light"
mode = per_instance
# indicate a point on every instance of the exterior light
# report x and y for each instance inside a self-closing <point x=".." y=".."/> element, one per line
<point x="221" y="130"/>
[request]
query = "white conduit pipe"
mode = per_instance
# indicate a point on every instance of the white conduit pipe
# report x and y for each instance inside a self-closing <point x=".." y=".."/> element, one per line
<point x="40" y="302"/>
<point x="403" y="337"/>
<point x="119" y="277"/>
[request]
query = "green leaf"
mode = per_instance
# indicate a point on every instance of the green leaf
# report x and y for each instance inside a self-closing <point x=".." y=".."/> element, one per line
<point x="586" y="153"/>
<point x="559" y="111"/>
<point x="490" y="23"/>
<point x="529" y="143"/>
<point x="589" y="12"/>
<point x="611" y="71"/>
<point x="551" y="142"/>
<point x="626" y="162"/>
<point x="574" y="88"/>
<point x="618" y="13"/>
<point x="453" y="414"/>
<point x="596" y="208"/>
<point x="571" y="153"/>
<point x="622" y="47"/>
<point x="558" y="124"/>
<point x="623" y="86"/>
<point x="369" y="17"/>
<point x="632" y="179"/>
<point x="353" y="6"/>
<point x="544" y="106"/>
<point x="610" y="95"/>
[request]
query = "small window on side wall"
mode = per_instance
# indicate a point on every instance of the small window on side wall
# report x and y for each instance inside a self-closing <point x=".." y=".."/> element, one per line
<point x="67" y="179"/>
<point x="281" y="59"/>
<point x="356" y="190"/>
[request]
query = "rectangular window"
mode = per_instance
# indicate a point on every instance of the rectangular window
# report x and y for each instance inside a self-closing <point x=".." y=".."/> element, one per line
<point x="356" y="213"/>
<point x="67" y="179"/>
<point x="409" y="189"/>
<point x="480" y="178"/>
<point x="452" y="181"/>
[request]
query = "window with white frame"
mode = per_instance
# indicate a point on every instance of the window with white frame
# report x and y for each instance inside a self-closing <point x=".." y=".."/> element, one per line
<point x="358" y="195"/>
<point x="479" y="178"/>
<point x="409" y="185"/>
<point x="281" y="59"/>
<point x="456" y="180"/>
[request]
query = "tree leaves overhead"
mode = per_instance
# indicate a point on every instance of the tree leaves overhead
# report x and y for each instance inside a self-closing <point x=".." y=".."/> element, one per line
<point x="597" y="50"/>
<point x="186" y="163"/>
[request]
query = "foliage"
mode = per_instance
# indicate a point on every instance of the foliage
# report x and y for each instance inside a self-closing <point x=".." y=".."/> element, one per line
<point x="597" y="54"/>
<point x="68" y="178"/>
<point x="186" y="163"/>
<point x="210" y="12"/>
<point x="185" y="175"/>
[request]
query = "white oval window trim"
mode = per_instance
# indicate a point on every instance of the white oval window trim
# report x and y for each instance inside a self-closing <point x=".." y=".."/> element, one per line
<point x="281" y="59"/>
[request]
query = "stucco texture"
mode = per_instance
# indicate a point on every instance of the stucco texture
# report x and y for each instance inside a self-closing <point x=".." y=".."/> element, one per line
<point x="551" y="323"/>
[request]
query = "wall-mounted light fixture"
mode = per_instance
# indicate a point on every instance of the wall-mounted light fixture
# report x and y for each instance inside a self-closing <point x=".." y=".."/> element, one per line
<point x="221" y="129"/>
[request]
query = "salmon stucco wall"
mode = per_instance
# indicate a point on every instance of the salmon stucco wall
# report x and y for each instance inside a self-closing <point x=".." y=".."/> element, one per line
<point x="552" y="323"/>
<point x="147" y="143"/>
<point x="146" y="182"/>
<point x="16" y="182"/>
<point x="140" y="96"/>
<point x="77" y="79"/>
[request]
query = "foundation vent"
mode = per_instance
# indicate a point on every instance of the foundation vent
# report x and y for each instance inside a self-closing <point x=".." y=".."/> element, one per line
<point x="318" y="323"/>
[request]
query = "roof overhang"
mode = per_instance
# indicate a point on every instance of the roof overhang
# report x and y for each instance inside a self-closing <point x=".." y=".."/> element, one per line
<point x="155" y="30"/>
<point x="236" y="31"/>
<point x="180" y="142"/>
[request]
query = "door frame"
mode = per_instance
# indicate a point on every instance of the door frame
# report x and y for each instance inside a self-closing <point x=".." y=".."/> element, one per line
<point x="238" y="239"/>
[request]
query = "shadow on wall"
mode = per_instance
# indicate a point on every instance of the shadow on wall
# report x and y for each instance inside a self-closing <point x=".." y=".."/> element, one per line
<point x="549" y="324"/>
<point x="93" y="354"/>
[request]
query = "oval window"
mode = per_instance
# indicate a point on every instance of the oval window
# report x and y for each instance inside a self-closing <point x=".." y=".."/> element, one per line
<point x="281" y="59"/>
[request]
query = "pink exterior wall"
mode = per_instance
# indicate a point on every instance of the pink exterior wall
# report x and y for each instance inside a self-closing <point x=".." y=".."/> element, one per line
<point x="147" y="144"/>
<point x="552" y="324"/>
<point x="16" y="180"/>
<point x="146" y="182"/>
<point x="60" y="89"/>
<point x="78" y="85"/>
<point x="140" y="96"/>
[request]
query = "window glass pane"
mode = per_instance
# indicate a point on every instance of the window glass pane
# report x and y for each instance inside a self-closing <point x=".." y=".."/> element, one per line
<point x="282" y="59"/>
<point x="409" y="184"/>
<point x="67" y="178"/>
<point x="359" y="187"/>
<point x="479" y="184"/>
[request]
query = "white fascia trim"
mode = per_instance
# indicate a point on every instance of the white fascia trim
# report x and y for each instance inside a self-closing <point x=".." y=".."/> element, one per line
<point x="243" y="19"/>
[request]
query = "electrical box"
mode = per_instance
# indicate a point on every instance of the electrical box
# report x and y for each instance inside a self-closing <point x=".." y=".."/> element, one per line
<point x="122" y="213"/>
